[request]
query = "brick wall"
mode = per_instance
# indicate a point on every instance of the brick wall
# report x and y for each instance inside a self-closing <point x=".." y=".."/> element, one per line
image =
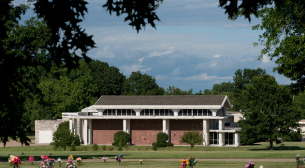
<point x="178" y="127"/>
<point x="103" y="130"/>
<point x="45" y="125"/>
<point x="144" y="132"/>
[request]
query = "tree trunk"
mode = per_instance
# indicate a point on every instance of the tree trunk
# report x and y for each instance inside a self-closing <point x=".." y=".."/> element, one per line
<point x="297" y="165"/>
<point x="271" y="144"/>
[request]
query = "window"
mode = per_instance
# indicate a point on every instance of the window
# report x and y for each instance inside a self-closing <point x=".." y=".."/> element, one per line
<point x="229" y="139"/>
<point x="214" y="139"/>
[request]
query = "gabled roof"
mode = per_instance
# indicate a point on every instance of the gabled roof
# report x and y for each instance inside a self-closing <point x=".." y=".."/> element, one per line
<point x="165" y="100"/>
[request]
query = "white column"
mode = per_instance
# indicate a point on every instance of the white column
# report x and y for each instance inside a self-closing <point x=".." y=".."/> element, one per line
<point x="220" y="124"/>
<point x="80" y="124"/>
<point x="214" y="111"/>
<point x="90" y="132"/>
<point x="70" y="124"/>
<point x="236" y="139"/>
<point x="164" y="125"/>
<point x="168" y="130"/>
<point x="75" y="126"/>
<point x="128" y="126"/>
<point x="138" y="111"/>
<point x="206" y="132"/>
<point x="176" y="111"/>
<point x="220" y="139"/>
<point x="85" y="131"/>
<point x="100" y="112"/>
<point x="124" y="125"/>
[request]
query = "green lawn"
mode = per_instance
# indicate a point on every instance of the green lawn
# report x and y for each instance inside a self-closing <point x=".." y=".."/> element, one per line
<point x="260" y="151"/>
<point x="167" y="164"/>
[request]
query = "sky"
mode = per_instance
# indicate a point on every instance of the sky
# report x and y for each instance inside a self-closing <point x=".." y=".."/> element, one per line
<point x="193" y="46"/>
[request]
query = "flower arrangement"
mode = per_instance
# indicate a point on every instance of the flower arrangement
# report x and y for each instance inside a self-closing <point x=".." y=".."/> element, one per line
<point x="141" y="162"/>
<point x="14" y="160"/>
<point x="47" y="162"/>
<point x="184" y="162"/>
<point x="299" y="161"/>
<point x="31" y="159"/>
<point x="192" y="161"/>
<point x="249" y="165"/>
<point x="118" y="158"/>
<point x="105" y="158"/>
<point x="59" y="161"/>
<point x="69" y="163"/>
<point x="70" y="157"/>
<point x="79" y="160"/>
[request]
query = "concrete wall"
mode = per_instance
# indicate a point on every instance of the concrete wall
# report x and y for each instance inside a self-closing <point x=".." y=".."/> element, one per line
<point x="144" y="132"/>
<point x="45" y="127"/>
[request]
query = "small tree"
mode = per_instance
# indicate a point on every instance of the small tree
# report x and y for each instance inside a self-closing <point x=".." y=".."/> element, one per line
<point x="121" y="136"/>
<point x="192" y="138"/>
<point x="63" y="138"/>
<point x="162" y="137"/>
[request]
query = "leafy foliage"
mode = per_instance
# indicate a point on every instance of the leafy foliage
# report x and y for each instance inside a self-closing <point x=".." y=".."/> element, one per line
<point x="192" y="138"/>
<point x="172" y="90"/>
<point x="141" y="84"/>
<point x="162" y="137"/>
<point x="284" y="39"/>
<point x="63" y="138"/>
<point x="121" y="136"/>
<point x="269" y="113"/>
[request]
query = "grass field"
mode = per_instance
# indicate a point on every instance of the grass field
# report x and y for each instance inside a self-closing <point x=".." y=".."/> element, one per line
<point x="259" y="151"/>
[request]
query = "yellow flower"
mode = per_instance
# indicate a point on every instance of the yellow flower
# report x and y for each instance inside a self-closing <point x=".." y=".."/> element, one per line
<point x="141" y="161"/>
<point x="71" y="157"/>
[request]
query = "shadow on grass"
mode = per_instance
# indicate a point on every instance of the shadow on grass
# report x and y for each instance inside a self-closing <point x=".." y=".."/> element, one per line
<point x="279" y="148"/>
<point x="63" y="157"/>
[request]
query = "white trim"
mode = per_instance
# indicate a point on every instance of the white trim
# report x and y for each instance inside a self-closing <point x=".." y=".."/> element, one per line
<point x="226" y="99"/>
<point x="147" y="117"/>
<point x="97" y="107"/>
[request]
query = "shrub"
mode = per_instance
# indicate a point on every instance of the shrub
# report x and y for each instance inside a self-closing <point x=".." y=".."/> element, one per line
<point x="63" y="138"/>
<point x="121" y="136"/>
<point x="73" y="146"/>
<point x="126" y="148"/>
<point x="161" y="144"/>
<point x="192" y="138"/>
<point x="110" y="148"/>
<point x="132" y="149"/>
<point x="155" y="146"/>
<point x="114" y="143"/>
<point x="120" y="146"/>
<point x="103" y="147"/>
<point x="85" y="148"/>
<point x="145" y="148"/>
<point x="162" y="137"/>
<point x="139" y="149"/>
<point x="169" y="144"/>
<point x="94" y="147"/>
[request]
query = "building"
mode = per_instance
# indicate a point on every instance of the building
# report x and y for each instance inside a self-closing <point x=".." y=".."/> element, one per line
<point x="143" y="117"/>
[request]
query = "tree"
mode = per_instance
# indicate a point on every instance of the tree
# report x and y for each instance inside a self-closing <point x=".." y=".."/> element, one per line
<point x="68" y="43"/>
<point x="177" y="91"/>
<point x="269" y="113"/>
<point x="141" y="84"/>
<point x="192" y="138"/>
<point x="109" y="80"/>
<point x="63" y="137"/>
<point x="219" y="89"/>
<point x="242" y="79"/>
<point x="284" y="39"/>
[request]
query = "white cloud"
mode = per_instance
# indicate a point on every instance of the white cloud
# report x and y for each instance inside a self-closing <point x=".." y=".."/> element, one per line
<point x="213" y="64"/>
<point x="204" y="76"/>
<point x="176" y="72"/>
<point x="141" y="59"/>
<point x="133" y="68"/>
<point x="216" y="56"/>
<point x="156" y="54"/>
<point x="265" y="59"/>
<point x="104" y="53"/>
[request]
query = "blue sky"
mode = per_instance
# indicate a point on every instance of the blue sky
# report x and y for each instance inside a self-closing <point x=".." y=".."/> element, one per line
<point x="193" y="46"/>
